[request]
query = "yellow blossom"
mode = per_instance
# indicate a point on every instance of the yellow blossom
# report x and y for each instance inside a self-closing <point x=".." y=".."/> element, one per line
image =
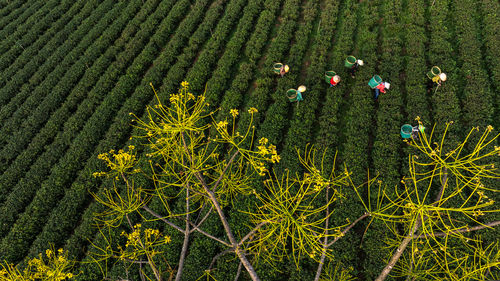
<point x="184" y="84"/>
<point x="252" y="110"/>
<point x="234" y="112"/>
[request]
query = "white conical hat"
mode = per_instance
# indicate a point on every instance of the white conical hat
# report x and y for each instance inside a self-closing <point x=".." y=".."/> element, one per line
<point x="336" y="78"/>
<point x="287" y="68"/>
<point x="387" y="85"/>
<point x="442" y="76"/>
<point x="302" y="88"/>
<point x="360" y="62"/>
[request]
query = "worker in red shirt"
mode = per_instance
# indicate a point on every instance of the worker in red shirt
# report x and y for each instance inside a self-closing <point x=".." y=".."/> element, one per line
<point x="381" y="88"/>
<point x="334" y="80"/>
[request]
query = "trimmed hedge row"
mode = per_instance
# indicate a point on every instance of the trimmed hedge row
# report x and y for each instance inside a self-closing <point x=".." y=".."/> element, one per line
<point x="11" y="11"/>
<point x="276" y="52"/>
<point x="107" y="70"/>
<point x="358" y="127"/>
<point x="20" y="70"/>
<point x="200" y="72"/>
<point x="21" y="86"/>
<point x="278" y="113"/>
<point x="226" y="65"/>
<point x="386" y="154"/>
<point x="44" y="85"/>
<point x="17" y="241"/>
<point x="446" y="106"/>
<point x="336" y="99"/>
<point x="236" y="94"/>
<point x="302" y="122"/>
<point x="17" y="24"/>
<point x="34" y="28"/>
<point x="12" y="172"/>
<point x="490" y="10"/>
<point x="415" y="80"/>
<point x="477" y="98"/>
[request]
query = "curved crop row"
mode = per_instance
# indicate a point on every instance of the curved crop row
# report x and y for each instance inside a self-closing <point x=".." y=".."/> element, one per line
<point x="31" y="115"/>
<point x="477" y="98"/>
<point x="234" y="96"/>
<point x="43" y="82"/>
<point x="33" y="55"/>
<point x="386" y="152"/>
<point x="81" y="148"/>
<point x="198" y="76"/>
<point x="490" y="11"/>
<point x="14" y="245"/>
<point x="16" y="27"/>
<point x="74" y="112"/>
<point x="301" y="128"/>
<point x="223" y="72"/>
<point x="86" y="228"/>
<point x="276" y="115"/>
<point x="358" y="126"/>
<point x="33" y="60"/>
<point x="265" y="82"/>
<point x="13" y="45"/>
<point x="329" y="134"/>
<point x="446" y="106"/>
<point x="11" y="11"/>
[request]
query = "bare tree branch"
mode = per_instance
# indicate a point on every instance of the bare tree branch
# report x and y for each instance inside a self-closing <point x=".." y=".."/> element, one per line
<point x="238" y="272"/>
<point x="225" y="170"/>
<point x="348" y="228"/>
<point x="147" y="209"/>
<point x="461" y="230"/>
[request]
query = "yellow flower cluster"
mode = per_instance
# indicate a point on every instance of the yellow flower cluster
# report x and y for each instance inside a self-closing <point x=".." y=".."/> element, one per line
<point x="234" y="112"/>
<point x="142" y="243"/>
<point x="54" y="267"/>
<point x="252" y="110"/>
<point x="120" y="162"/>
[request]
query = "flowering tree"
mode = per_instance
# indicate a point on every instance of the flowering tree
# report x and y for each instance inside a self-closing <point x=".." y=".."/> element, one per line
<point x="182" y="158"/>
<point x="54" y="266"/>
<point x="208" y="164"/>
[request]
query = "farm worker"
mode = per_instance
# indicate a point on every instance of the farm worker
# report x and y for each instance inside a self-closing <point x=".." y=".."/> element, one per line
<point x="334" y="80"/>
<point x="415" y="130"/>
<point x="355" y="67"/>
<point x="381" y="88"/>
<point x="439" y="78"/>
<point x="283" y="70"/>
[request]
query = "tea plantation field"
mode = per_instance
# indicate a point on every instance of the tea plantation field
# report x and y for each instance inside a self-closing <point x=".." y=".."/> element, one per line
<point x="72" y="71"/>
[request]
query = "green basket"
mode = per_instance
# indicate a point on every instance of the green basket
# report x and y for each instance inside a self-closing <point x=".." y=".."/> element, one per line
<point x="350" y="61"/>
<point x="292" y="94"/>
<point x="277" y="67"/>
<point x="434" y="72"/>
<point x="328" y="75"/>
<point x="375" y="81"/>
<point x="406" y="131"/>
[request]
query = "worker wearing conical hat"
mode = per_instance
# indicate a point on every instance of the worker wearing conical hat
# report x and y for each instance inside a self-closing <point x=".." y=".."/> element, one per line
<point x="334" y="80"/>
<point x="439" y="78"/>
<point x="380" y="88"/>
<point x="283" y="70"/>
<point x="355" y="67"/>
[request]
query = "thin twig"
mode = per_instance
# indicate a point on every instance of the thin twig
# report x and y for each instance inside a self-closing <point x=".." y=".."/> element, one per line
<point x="238" y="272"/>
<point x="461" y="230"/>
<point x="225" y="170"/>
<point x="147" y="209"/>
<point x="348" y="228"/>
<point x="325" y="241"/>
